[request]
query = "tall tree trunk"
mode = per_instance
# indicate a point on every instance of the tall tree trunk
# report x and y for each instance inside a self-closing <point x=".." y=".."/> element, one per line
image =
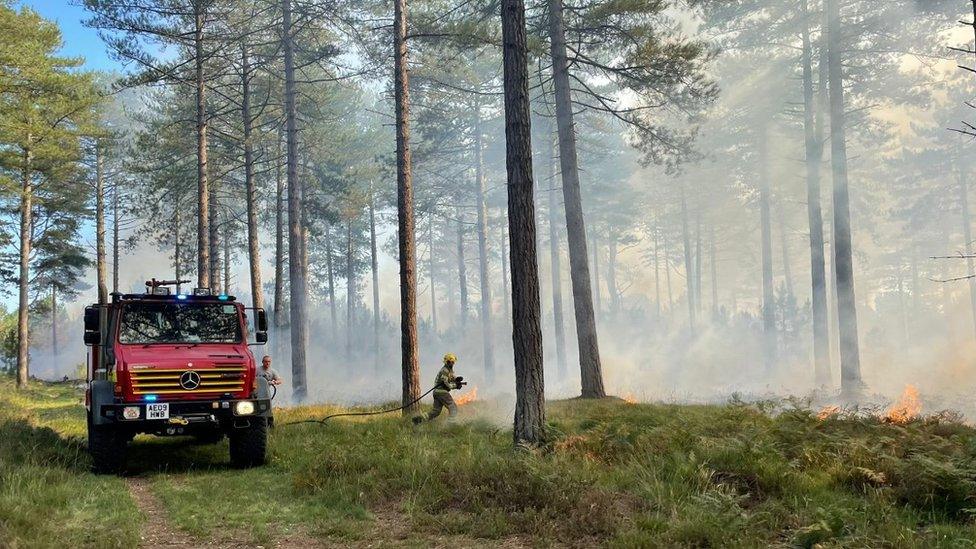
<point x="612" y="290"/>
<point x="714" y="267"/>
<point x="689" y="271"/>
<point x="530" y="414"/>
<point x="597" y="294"/>
<point x="279" y="251"/>
<point x="350" y="290"/>
<point x="784" y="245"/>
<point x="177" y="241"/>
<point x="967" y="233"/>
<point x="26" y="228"/>
<point x="54" y="323"/>
<point x="586" y="336"/>
<point x="100" y="268"/>
<point x="430" y="267"/>
<point x="769" y="299"/>
<point x="657" y="276"/>
<point x="214" y="240"/>
<point x="251" y="191"/>
<point x="699" y="300"/>
<point x="203" y="190"/>
<point x="116" y="219"/>
<point x="813" y="134"/>
<point x="506" y="302"/>
<point x="375" y="271"/>
<point x="462" y="269"/>
<point x="667" y="273"/>
<point x="410" y="368"/>
<point x="555" y="261"/>
<point x="850" y="357"/>
<point x="330" y="276"/>
<point x="226" y="262"/>
<point x="487" y="338"/>
<point x="296" y="232"/>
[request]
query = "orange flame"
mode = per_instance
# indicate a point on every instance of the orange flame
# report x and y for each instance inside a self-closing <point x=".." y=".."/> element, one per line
<point x="828" y="412"/>
<point x="906" y="409"/>
<point x="629" y="398"/>
<point x="470" y="396"/>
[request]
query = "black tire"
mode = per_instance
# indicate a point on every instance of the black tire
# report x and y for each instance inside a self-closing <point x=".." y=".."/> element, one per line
<point x="107" y="447"/>
<point x="249" y="445"/>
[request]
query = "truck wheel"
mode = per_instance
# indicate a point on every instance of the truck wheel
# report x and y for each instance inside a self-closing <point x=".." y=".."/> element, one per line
<point x="249" y="444"/>
<point x="107" y="448"/>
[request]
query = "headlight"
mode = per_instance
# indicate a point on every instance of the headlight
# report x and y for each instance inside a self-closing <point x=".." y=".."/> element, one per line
<point x="131" y="412"/>
<point x="244" y="408"/>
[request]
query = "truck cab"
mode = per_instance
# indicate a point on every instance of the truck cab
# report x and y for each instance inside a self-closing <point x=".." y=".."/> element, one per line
<point x="169" y="363"/>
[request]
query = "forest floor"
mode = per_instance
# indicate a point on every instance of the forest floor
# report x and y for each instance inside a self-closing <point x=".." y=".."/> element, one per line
<point x="615" y="473"/>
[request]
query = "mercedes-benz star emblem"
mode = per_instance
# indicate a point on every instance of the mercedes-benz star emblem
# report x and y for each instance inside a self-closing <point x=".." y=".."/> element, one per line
<point x="190" y="380"/>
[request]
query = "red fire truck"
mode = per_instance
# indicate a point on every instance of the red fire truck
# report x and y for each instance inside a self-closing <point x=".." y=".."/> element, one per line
<point x="170" y="363"/>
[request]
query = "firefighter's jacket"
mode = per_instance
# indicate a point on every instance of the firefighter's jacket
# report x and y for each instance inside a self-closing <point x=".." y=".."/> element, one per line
<point x="445" y="382"/>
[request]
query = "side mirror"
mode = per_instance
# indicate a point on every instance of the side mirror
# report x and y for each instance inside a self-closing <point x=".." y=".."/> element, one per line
<point x="92" y="338"/>
<point x="92" y="319"/>
<point x="261" y="337"/>
<point x="261" y="322"/>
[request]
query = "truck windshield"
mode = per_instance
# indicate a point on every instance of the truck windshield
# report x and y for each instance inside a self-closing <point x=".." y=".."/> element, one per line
<point x="158" y="322"/>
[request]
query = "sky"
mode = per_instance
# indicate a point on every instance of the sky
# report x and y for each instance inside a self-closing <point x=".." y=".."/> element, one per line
<point x="79" y="40"/>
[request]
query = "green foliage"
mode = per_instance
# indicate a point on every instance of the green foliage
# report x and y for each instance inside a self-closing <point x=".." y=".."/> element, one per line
<point x="614" y="474"/>
<point x="47" y="496"/>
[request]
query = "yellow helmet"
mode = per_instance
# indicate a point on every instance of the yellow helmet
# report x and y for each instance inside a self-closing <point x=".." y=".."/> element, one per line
<point x="449" y="357"/>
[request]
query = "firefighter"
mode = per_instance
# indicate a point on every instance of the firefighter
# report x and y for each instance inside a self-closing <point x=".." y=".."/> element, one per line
<point x="445" y="382"/>
<point x="268" y="372"/>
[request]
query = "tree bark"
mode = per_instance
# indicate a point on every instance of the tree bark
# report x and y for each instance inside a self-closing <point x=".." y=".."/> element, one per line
<point x="506" y="302"/>
<point x="850" y="359"/>
<point x="586" y="336"/>
<point x="487" y="338"/>
<point x="26" y="228"/>
<point x="226" y="248"/>
<point x="410" y="368"/>
<point x="430" y="267"/>
<point x="595" y="263"/>
<point x="813" y="133"/>
<point x="462" y="269"/>
<point x="612" y="274"/>
<point x="967" y="233"/>
<point x="214" y="240"/>
<point x="530" y="414"/>
<point x="769" y="299"/>
<point x="279" y="252"/>
<point x="350" y="289"/>
<point x="116" y="219"/>
<point x="657" y="275"/>
<point x="374" y="269"/>
<point x="555" y="261"/>
<point x="250" y="186"/>
<point x="296" y="232"/>
<point x="714" y="268"/>
<point x="203" y="190"/>
<point x="54" y="323"/>
<point x="100" y="267"/>
<point x="689" y="271"/>
<point x="330" y="276"/>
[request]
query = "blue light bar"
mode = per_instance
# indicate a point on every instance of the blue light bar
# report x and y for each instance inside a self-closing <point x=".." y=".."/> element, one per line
<point x="150" y="398"/>
<point x="223" y="297"/>
<point x="181" y="296"/>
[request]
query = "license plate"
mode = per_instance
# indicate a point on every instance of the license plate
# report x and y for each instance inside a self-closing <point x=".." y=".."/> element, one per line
<point x="159" y="410"/>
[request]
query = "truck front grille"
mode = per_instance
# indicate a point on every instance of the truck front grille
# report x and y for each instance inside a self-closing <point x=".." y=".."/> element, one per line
<point x="225" y="378"/>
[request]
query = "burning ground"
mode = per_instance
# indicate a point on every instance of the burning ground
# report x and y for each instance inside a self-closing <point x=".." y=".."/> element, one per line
<point x="615" y="473"/>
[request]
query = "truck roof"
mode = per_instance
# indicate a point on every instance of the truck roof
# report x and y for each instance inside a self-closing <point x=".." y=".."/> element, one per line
<point x="176" y="298"/>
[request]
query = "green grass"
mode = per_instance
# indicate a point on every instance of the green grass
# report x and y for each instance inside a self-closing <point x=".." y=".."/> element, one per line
<point x="614" y="474"/>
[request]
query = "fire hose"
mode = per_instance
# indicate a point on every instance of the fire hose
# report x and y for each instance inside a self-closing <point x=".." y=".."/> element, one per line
<point x="460" y="383"/>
